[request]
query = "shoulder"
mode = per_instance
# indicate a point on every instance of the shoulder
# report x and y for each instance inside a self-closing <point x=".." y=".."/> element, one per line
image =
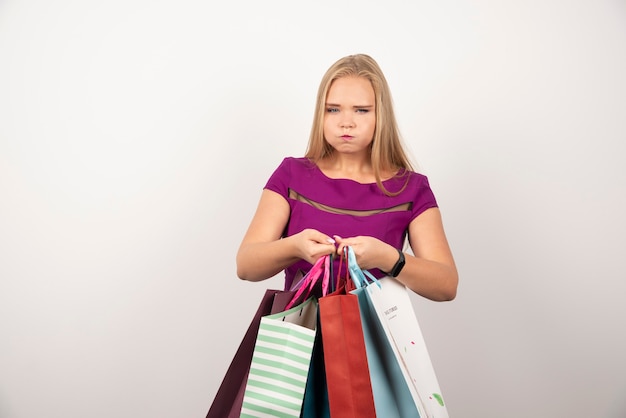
<point x="297" y="163"/>
<point x="410" y="180"/>
<point x="291" y="171"/>
<point x="419" y="191"/>
<point x="296" y="166"/>
<point x="403" y="172"/>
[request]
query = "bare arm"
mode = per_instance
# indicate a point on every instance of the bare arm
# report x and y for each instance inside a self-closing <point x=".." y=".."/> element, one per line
<point x="431" y="272"/>
<point x="263" y="253"/>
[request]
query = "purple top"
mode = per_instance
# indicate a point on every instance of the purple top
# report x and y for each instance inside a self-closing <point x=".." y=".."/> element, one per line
<point x="347" y="208"/>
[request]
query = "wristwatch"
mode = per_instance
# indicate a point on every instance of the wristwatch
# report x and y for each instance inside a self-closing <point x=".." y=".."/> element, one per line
<point x="397" y="268"/>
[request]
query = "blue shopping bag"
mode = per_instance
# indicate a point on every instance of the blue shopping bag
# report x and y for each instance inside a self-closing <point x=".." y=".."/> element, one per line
<point x="396" y="334"/>
<point x="392" y="397"/>
<point x="315" y="404"/>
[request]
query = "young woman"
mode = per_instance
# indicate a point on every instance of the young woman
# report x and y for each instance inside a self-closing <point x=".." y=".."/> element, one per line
<point x="354" y="187"/>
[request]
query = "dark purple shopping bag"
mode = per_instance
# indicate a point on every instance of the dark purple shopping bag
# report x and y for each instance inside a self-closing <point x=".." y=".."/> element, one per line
<point x="229" y="397"/>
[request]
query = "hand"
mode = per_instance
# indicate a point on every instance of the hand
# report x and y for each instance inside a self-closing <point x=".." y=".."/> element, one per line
<point x="311" y="244"/>
<point x="370" y="252"/>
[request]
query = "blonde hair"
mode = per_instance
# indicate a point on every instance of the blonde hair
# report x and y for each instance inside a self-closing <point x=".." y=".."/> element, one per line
<point x="387" y="152"/>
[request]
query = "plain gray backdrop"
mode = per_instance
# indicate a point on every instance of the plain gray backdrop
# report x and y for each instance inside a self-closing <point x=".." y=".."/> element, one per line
<point x="136" y="137"/>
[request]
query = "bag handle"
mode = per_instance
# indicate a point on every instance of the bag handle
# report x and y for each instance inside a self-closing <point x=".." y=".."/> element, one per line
<point x="321" y="268"/>
<point x="304" y="280"/>
<point x="359" y="276"/>
<point x="343" y="273"/>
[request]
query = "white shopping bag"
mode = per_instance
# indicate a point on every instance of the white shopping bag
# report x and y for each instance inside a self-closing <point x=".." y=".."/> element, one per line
<point x="393" y="307"/>
<point x="395" y="311"/>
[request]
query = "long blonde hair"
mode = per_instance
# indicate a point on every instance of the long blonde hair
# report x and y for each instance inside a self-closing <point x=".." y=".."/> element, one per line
<point x="387" y="152"/>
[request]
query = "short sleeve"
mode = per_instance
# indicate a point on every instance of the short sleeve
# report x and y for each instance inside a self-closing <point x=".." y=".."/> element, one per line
<point x="279" y="180"/>
<point x="424" y="197"/>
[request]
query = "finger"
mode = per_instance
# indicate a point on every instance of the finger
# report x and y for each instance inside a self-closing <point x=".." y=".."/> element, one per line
<point x="326" y="251"/>
<point x="322" y="238"/>
<point x="341" y="248"/>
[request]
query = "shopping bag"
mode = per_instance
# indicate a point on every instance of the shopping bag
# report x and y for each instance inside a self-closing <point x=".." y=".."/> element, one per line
<point x="388" y="301"/>
<point x="392" y="397"/>
<point x="345" y="358"/>
<point x="316" y="281"/>
<point x="280" y="362"/>
<point x="229" y="398"/>
<point x="394" y="309"/>
<point x="317" y="276"/>
<point x="315" y="404"/>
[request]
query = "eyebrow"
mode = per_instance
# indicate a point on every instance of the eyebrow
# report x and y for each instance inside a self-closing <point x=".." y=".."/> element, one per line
<point x="354" y="107"/>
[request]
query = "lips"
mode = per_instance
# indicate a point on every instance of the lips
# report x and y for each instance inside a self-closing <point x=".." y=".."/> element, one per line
<point x="346" y="137"/>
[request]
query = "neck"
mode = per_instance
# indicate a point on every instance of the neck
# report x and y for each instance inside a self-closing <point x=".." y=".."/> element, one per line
<point x="353" y="167"/>
<point x="350" y="162"/>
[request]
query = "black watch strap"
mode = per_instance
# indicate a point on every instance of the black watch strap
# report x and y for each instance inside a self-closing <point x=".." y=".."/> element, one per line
<point x="397" y="268"/>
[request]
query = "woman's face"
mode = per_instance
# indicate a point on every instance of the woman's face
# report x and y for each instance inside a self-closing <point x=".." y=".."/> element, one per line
<point x="350" y="115"/>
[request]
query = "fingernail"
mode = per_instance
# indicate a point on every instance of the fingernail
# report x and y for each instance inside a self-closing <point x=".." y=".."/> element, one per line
<point x="330" y="241"/>
<point x="337" y="236"/>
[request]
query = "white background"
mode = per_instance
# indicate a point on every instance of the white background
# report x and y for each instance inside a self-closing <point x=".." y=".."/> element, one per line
<point x="136" y="136"/>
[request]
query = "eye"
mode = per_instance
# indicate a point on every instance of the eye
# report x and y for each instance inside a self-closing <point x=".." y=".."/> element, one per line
<point x="362" y="111"/>
<point x="332" y="110"/>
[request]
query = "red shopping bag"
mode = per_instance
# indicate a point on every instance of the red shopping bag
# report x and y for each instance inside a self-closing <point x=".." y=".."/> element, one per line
<point x="345" y="357"/>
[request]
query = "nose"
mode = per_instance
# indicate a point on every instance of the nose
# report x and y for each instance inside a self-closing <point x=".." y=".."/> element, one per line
<point x="347" y="122"/>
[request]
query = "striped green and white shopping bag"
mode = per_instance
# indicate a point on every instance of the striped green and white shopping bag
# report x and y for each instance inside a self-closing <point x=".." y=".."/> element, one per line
<point x="280" y="363"/>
